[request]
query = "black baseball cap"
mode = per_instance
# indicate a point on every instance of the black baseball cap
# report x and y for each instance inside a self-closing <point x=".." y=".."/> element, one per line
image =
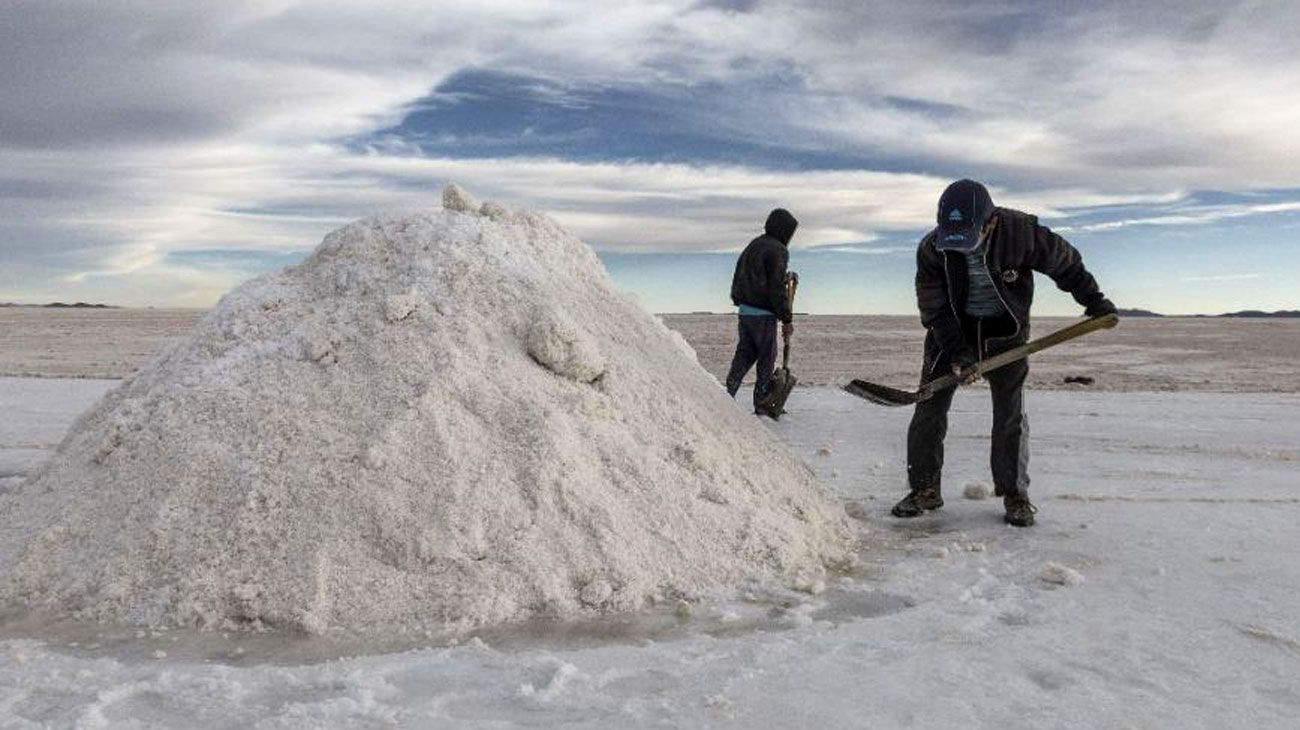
<point x="964" y="208"/>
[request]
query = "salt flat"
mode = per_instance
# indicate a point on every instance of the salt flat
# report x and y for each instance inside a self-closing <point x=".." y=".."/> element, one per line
<point x="86" y="343"/>
<point x="1152" y="354"/>
<point x="1174" y="353"/>
<point x="1177" y="511"/>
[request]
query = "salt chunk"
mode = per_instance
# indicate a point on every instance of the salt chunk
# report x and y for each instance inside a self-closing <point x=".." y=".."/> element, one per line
<point x="456" y="198"/>
<point x="556" y="343"/>
<point x="975" y="490"/>
<point x="1057" y="574"/>
<point x="495" y="211"/>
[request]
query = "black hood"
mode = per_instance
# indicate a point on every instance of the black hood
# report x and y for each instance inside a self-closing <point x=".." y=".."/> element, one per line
<point x="780" y="225"/>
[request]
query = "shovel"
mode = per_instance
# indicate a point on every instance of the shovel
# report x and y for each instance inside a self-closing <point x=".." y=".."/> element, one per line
<point x="887" y="396"/>
<point x="783" y="381"/>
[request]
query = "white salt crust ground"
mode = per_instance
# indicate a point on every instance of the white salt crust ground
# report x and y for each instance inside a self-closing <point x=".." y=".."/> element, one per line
<point x="1178" y="509"/>
<point x="444" y="418"/>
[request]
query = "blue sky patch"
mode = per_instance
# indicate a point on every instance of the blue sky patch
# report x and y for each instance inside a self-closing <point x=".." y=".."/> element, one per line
<point x="482" y="114"/>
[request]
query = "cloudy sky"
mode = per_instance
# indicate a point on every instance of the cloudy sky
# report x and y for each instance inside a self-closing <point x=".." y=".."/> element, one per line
<point x="157" y="153"/>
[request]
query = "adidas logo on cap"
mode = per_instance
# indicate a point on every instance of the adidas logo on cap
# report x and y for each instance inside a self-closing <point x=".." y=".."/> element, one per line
<point x="955" y="215"/>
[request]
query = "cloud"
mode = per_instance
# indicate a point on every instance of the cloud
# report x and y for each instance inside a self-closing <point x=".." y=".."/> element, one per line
<point x="1169" y="96"/>
<point x="868" y="250"/>
<point x="1222" y="277"/>
<point x="1189" y="215"/>
<point x="134" y="130"/>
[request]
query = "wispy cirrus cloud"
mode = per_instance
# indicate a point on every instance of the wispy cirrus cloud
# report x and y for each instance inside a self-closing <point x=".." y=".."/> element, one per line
<point x="1189" y="215"/>
<point x="865" y="250"/>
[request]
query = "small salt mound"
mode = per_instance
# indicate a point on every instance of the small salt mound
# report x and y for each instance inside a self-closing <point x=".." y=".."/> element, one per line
<point x="976" y="490"/>
<point x="442" y="418"/>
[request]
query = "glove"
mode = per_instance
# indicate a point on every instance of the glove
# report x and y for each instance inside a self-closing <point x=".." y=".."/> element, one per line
<point x="961" y="362"/>
<point x="1100" y="308"/>
<point x="964" y="358"/>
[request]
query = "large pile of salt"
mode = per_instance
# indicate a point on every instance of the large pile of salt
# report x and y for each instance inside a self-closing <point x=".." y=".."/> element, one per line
<point x="448" y="417"/>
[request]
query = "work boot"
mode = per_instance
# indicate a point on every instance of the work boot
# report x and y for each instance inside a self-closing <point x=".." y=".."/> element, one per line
<point x="917" y="502"/>
<point x="1019" y="511"/>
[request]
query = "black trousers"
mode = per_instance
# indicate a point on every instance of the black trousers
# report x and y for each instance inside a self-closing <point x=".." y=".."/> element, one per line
<point x="757" y="345"/>
<point x="1009" y="455"/>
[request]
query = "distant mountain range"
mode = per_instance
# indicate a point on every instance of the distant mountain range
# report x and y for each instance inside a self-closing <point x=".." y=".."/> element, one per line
<point x="62" y="305"/>
<point x="1284" y="313"/>
<point x="1244" y="314"/>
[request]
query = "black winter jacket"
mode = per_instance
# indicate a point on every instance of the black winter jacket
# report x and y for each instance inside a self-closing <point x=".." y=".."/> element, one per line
<point x="1019" y="247"/>
<point x="759" y="280"/>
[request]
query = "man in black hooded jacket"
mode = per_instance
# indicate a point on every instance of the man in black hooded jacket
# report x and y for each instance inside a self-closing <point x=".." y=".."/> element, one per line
<point x="758" y="290"/>
<point x="974" y="287"/>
